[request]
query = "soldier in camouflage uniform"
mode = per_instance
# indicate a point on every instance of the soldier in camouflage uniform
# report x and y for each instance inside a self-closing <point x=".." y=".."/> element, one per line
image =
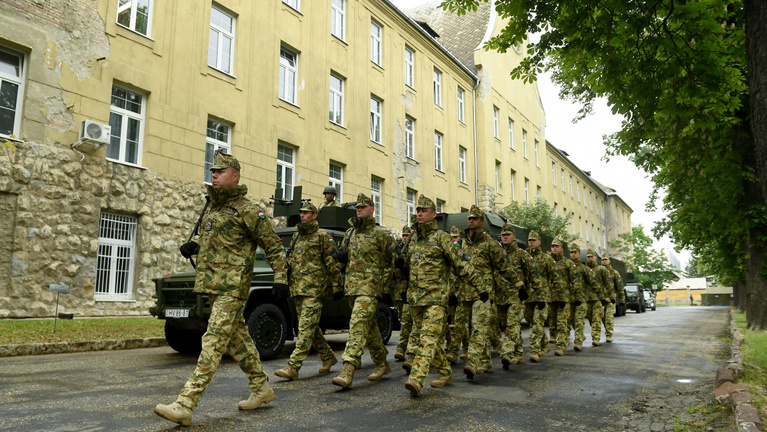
<point x="563" y="296"/>
<point x="312" y="269"/>
<point x="616" y="294"/>
<point x="330" y="198"/>
<point x="597" y="307"/>
<point x="232" y="227"/>
<point x="579" y="304"/>
<point x="536" y="306"/>
<point x="371" y="253"/>
<point x="510" y="299"/>
<point x="400" y="294"/>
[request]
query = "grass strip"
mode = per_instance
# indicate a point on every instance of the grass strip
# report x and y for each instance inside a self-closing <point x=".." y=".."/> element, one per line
<point x="754" y="351"/>
<point x="23" y="331"/>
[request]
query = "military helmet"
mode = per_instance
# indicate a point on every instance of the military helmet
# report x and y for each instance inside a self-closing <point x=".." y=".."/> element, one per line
<point x="222" y="160"/>
<point x="329" y="189"/>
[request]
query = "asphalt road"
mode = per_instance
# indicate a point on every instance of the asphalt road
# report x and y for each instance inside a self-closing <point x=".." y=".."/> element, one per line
<point x="658" y="364"/>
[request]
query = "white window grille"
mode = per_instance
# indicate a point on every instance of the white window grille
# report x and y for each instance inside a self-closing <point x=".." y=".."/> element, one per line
<point x="376" y="38"/>
<point x="460" y="105"/>
<point x="562" y="179"/>
<point x="553" y="174"/>
<point x="288" y="75"/>
<point x="462" y="164"/>
<point x="498" y="183"/>
<point x="295" y="4"/>
<point x="126" y="117"/>
<point x="221" y="40"/>
<point x="375" y="120"/>
<point x="338" y="19"/>
<point x="511" y="134"/>
<point x="438" y="151"/>
<point x="376" y="188"/>
<point x="336" y="179"/>
<point x="286" y="167"/>
<point x="496" y="125"/>
<point x="524" y="143"/>
<point x="410" y="204"/>
<point x="527" y="190"/>
<point x="440" y="206"/>
<point x="11" y="91"/>
<point x="538" y="192"/>
<point x="512" y="176"/>
<point x="218" y="137"/>
<point x="135" y="15"/>
<point x="336" y="100"/>
<point x="437" y="87"/>
<point x="409" y="67"/>
<point x="410" y="137"/>
<point x="536" y="152"/>
<point x="116" y="257"/>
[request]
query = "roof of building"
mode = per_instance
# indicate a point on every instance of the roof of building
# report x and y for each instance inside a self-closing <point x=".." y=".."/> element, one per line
<point x="718" y="290"/>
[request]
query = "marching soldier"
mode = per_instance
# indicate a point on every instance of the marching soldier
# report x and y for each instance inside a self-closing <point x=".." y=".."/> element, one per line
<point x="596" y="311"/>
<point x="581" y="299"/>
<point x="562" y="296"/>
<point x="616" y="294"/>
<point x="535" y="308"/>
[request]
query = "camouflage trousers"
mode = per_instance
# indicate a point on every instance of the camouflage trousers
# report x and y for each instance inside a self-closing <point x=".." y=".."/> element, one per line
<point x="479" y="341"/>
<point x="608" y="318"/>
<point x="577" y="318"/>
<point x="512" y="315"/>
<point x="537" y="320"/>
<point x="406" y="322"/>
<point x="430" y="322"/>
<point x="594" y="315"/>
<point x="227" y="333"/>
<point x="459" y="334"/>
<point x="560" y="314"/>
<point x="309" y="311"/>
<point x="363" y="331"/>
<point x="449" y="317"/>
<point x="496" y="326"/>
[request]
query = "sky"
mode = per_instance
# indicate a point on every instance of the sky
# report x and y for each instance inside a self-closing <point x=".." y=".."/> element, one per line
<point x="583" y="141"/>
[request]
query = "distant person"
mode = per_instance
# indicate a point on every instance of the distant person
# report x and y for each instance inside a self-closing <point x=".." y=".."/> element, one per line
<point x="330" y="198"/>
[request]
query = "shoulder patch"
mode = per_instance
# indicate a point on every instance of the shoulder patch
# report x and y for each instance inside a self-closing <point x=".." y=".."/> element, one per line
<point x="261" y="214"/>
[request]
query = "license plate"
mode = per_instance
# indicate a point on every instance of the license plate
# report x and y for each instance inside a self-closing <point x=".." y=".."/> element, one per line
<point x="176" y="313"/>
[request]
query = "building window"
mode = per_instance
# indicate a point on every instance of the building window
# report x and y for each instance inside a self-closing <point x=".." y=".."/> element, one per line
<point x="511" y="134"/>
<point x="524" y="143"/>
<point x="219" y="137"/>
<point x="338" y="19"/>
<point x="554" y="174"/>
<point x="562" y="179"/>
<point x="376" y="36"/>
<point x="409" y="67"/>
<point x="591" y="201"/>
<point x="498" y="182"/>
<point x="11" y="91"/>
<point x="460" y="105"/>
<point x="536" y="152"/>
<point x="578" y="190"/>
<point x="410" y="137"/>
<point x="496" y="124"/>
<point x="556" y="209"/>
<point x="221" y="42"/>
<point x="336" y="100"/>
<point x="410" y="204"/>
<point x="538" y="192"/>
<point x="462" y="164"/>
<point x="126" y="117"/>
<point x="376" y="186"/>
<point x="135" y="15"/>
<point x="438" y="151"/>
<point x="375" y="120"/>
<point x="571" y="186"/>
<point x="440" y="206"/>
<point x="511" y="181"/>
<point x="437" y="87"/>
<point x="116" y="257"/>
<point x="286" y="168"/>
<point x="295" y="4"/>
<point x="288" y="75"/>
<point x="336" y="179"/>
<point x="527" y="190"/>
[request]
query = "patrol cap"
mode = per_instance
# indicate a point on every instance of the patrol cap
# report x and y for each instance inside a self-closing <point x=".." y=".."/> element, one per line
<point x="222" y="160"/>
<point x="591" y="252"/>
<point x="363" y="201"/>
<point x="507" y="229"/>
<point x="454" y="231"/>
<point x="424" y="202"/>
<point x="557" y="241"/>
<point x="575" y="247"/>
<point x="406" y="230"/>
<point x="533" y="236"/>
<point x="475" y="212"/>
<point x="308" y="207"/>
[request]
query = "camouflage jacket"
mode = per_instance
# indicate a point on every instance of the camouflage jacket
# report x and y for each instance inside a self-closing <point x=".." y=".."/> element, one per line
<point x="618" y="293"/>
<point x="430" y="257"/>
<point x="371" y="251"/>
<point x="604" y="280"/>
<point x="312" y="267"/>
<point x="549" y="275"/>
<point x="571" y="279"/>
<point x="522" y="264"/>
<point x="590" y="289"/>
<point x="488" y="260"/>
<point x="333" y="203"/>
<point x="231" y="230"/>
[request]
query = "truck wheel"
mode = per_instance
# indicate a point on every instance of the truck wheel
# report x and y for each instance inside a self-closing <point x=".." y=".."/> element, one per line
<point x="185" y="341"/>
<point x="268" y="329"/>
<point x="385" y="321"/>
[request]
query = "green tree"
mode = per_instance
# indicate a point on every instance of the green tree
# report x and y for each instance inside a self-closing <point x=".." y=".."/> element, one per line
<point x="539" y="216"/>
<point x="650" y="266"/>
<point x="693" y="269"/>
<point x="677" y="73"/>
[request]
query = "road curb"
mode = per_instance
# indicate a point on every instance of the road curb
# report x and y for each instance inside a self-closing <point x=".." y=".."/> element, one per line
<point x="739" y="396"/>
<point x="80" y="346"/>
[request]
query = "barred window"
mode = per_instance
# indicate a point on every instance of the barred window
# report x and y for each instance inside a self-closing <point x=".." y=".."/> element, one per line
<point x="116" y="257"/>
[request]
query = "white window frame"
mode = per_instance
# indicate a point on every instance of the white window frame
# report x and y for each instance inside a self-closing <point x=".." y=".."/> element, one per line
<point x="119" y="132"/>
<point x="498" y="182"/>
<point x="438" y="151"/>
<point x="410" y="137"/>
<point x="538" y="192"/>
<point x="336" y="179"/>
<point x="286" y="170"/>
<point x="571" y="186"/>
<point x="524" y="143"/>
<point x="440" y="206"/>
<point x="496" y="124"/>
<point x="295" y="4"/>
<point x="288" y="90"/>
<point x="116" y="257"/>
<point x="554" y="174"/>
<point x="14" y="79"/>
<point x="338" y="19"/>
<point x="218" y="136"/>
<point x="376" y="42"/>
<point x="578" y="190"/>
<point x="527" y="190"/>
<point x="376" y="109"/>
<point x="132" y="9"/>
<point x="437" y="88"/>
<point x="462" y="164"/>
<point x="461" y="105"/>
<point x="409" y="67"/>
<point x="535" y="143"/>
<point x="222" y="34"/>
<point x="562" y="178"/>
<point x="556" y="209"/>
<point x="511" y="134"/>
<point x="410" y="204"/>
<point x="376" y="193"/>
<point x="336" y="101"/>
<point x="512" y="174"/>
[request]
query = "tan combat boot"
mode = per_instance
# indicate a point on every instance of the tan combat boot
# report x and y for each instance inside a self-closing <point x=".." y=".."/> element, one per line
<point x="506" y="361"/>
<point x="442" y="380"/>
<point x="408" y="363"/>
<point x="452" y="358"/>
<point x="559" y="352"/>
<point x="464" y="355"/>
<point x="534" y="358"/>
<point x="380" y="370"/>
<point x="288" y="372"/>
<point x="400" y="354"/>
<point x="345" y="378"/>
<point x="595" y="343"/>
<point x="517" y="360"/>
<point x="327" y="364"/>
<point x="578" y="347"/>
<point x="265" y="395"/>
<point x="496" y="350"/>
<point x="413" y="386"/>
<point x="469" y="371"/>
<point x="485" y="368"/>
<point x="175" y="412"/>
<point x="545" y="350"/>
<point x="609" y="339"/>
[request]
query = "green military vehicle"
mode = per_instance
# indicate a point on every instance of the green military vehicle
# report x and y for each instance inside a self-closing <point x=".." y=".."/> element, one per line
<point x="271" y="320"/>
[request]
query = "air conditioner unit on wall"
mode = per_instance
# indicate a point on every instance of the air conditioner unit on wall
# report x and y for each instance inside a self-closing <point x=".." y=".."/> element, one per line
<point x="94" y="134"/>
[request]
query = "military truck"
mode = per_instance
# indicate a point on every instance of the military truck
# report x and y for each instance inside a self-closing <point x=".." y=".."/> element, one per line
<point x="271" y="320"/>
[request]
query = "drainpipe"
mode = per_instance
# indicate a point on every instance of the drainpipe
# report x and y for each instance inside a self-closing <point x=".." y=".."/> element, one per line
<point x="474" y="119"/>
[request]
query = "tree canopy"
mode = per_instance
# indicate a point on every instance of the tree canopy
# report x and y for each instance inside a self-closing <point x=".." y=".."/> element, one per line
<point x="539" y="216"/>
<point x="650" y="266"/>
